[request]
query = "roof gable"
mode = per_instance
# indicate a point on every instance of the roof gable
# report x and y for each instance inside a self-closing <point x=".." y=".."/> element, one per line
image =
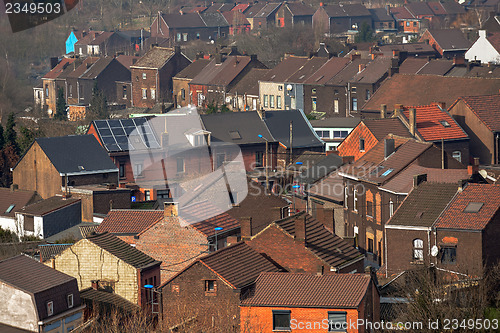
<point x="486" y="108"/>
<point x="12" y="201"/>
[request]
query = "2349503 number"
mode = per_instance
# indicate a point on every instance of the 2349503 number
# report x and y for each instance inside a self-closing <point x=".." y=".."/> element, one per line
<point x="471" y="324"/>
<point x="32" y="8"/>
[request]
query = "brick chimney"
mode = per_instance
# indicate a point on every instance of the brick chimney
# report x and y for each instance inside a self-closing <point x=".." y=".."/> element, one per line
<point x="171" y="209"/>
<point x="300" y="229"/>
<point x="474" y="168"/>
<point x="397" y="110"/>
<point x="361" y="68"/>
<point x="419" y="179"/>
<point x="383" y="111"/>
<point x="246" y="228"/>
<point x="413" y="121"/>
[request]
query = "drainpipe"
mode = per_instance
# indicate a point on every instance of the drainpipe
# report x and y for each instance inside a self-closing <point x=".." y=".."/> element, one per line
<point x="497" y="150"/>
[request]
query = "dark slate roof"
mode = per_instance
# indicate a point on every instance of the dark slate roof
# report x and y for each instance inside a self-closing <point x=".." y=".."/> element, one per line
<point x="487" y="109"/>
<point x="339" y="122"/>
<point x="49" y="205"/>
<point x="346" y="10"/>
<point x="286" y="68"/>
<point x="308" y="69"/>
<point x="380" y="15"/>
<point x="254" y="9"/>
<point x="411" y="48"/>
<point x="268" y="9"/>
<point x="238" y="264"/>
<point x="424" y="204"/>
<point x="374" y="71"/>
<point x="17" y="198"/>
<point x="248" y="124"/>
<point x="347" y="73"/>
<point x="329" y="188"/>
<point x="334" y="291"/>
<point x="48" y="251"/>
<point x="155" y="58"/>
<point x="456" y="216"/>
<point x="453" y="8"/>
<point x="303" y="135"/>
<point x="213" y="19"/>
<point x="419" y="8"/>
<point x="89" y="61"/>
<point x="4" y="328"/>
<point x="76" y="232"/>
<point x="326" y="72"/>
<point x="193" y="69"/>
<point x="122" y="250"/>
<point x="450" y="39"/>
<point x="96" y="69"/>
<point x="320" y="169"/>
<point x="128" y="221"/>
<point x="300" y="9"/>
<point x="326" y="245"/>
<point x="92" y="296"/>
<point x="30" y="275"/>
<point x="76" y="154"/>
<point x="189" y="20"/>
<point x="249" y="84"/>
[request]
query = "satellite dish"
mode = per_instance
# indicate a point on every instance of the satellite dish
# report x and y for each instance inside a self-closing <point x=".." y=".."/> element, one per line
<point x="483" y="173"/>
<point x="434" y="251"/>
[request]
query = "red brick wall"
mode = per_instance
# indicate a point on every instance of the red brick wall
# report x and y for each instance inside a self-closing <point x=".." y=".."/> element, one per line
<point x="145" y="277"/>
<point x="350" y="145"/>
<point x="138" y="83"/>
<point x="400" y="249"/>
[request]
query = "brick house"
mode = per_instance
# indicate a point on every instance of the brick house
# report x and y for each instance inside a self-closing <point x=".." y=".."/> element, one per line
<point x="448" y="43"/>
<point x="244" y="96"/>
<point x="337" y="18"/>
<point x="294" y="14"/>
<point x="51" y="84"/>
<point x="71" y="82"/>
<point x="479" y="117"/>
<point x="50" y="300"/>
<point x="238" y="23"/>
<point x="180" y="82"/>
<point x="382" y="19"/>
<point x="210" y="289"/>
<point x="152" y="75"/>
<point x="263" y="17"/>
<point x="310" y="302"/>
<point x="300" y="243"/>
<point x="406" y="22"/>
<point x="111" y="263"/>
<point x="334" y="130"/>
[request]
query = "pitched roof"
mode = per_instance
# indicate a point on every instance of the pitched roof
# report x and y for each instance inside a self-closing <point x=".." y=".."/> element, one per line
<point x="90" y="157"/>
<point x="101" y="38"/>
<point x="437" y="8"/>
<point x="122" y="250"/>
<point x="486" y="108"/>
<point x="60" y="67"/>
<point x="97" y="68"/>
<point x="450" y="39"/>
<point x="155" y="58"/>
<point x="238" y="264"/>
<point x="303" y="135"/>
<point x="127" y="60"/>
<point x="380" y="128"/>
<point x="380" y="15"/>
<point x="424" y="205"/>
<point x="339" y="122"/>
<point x="83" y="67"/>
<point x="306" y="70"/>
<point x="453" y="8"/>
<point x="346" y="10"/>
<point x="427" y="89"/>
<point x="402" y="183"/>
<point x="300" y="9"/>
<point x="92" y="296"/>
<point x="77" y="232"/>
<point x="329" y="69"/>
<point x="193" y="69"/>
<point x="235" y="18"/>
<point x="254" y="9"/>
<point x="48" y="251"/>
<point x="286" y="68"/>
<point x="494" y="39"/>
<point x="374" y="71"/>
<point x="459" y="215"/>
<point x="401" y="13"/>
<point x="336" y="291"/>
<point x="30" y="275"/>
<point x="412" y="49"/>
<point x="320" y="169"/>
<point x="221" y="73"/>
<point x="189" y="20"/>
<point x="347" y="73"/>
<point x="249" y="84"/>
<point x="128" y="221"/>
<point x="419" y="9"/>
<point x="199" y="210"/>
<point x="215" y="19"/>
<point x="326" y="245"/>
<point x="329" y="188"/>
<point x="17" y="199"/>
<point x="48" y="205"/>
<point x="268" y="9"/>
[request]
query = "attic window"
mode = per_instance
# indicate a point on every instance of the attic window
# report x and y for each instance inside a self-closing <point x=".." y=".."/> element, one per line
<point x="11" y="207"/>
<point x="473" y="207"/>
<point x="445" y="123"/>
<point x="388" y="171"/>
<point x="234" y="135"/>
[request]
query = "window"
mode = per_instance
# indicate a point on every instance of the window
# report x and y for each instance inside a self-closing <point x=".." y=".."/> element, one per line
<point x="29" y="223"/>
<point x="361" y="144"/>
<point x="370" y="245"/>
<point x="281" y="320"/>
<point x="323" y="134"/>
<point x="184" y="37"/>
<point x="355" y="104"/>
<point x="210" y="287"/>
<point x="176" y="289"/>
<point x="369" y="208"/>
<point x="69" y="298"/>
<point x="336" y="106"/>
<point x="144" y="76"/>
<point x="314" y="101"/>
<point x="46" y="91"/>
<point x="124" y="92"/>
<point x="355" y="200"/>
<point x="259" y="159"/>
<point x="144" y="93"/>
<point x="391" y="208"/>
<point x="368" y="94"/>
<point x="418" y="249"/>
<point x="153" y="93"/>
<point x="197" y="35"/>
<point x="280" y="87"/>
<point x="457" y="155"/>
<point x="313" y="90"/>
<point x="183" y="94"/>
<point x="147" y="195"/>
<point x="346" y="197"/>
<point x="340" y="134"/>
<point x="70" y="88"/>
<point x="163" y="194"/>
<point x="50" y="308"/>
<point x="11" y="207"/>
<point x="449" y="255"/>
<point x="266" y="101"/>
<point x="138" y="169"/>
<point x="179" y="36"/>
<point x="278" y="102"/>
<point x="407" y="23"/>
<point x="122" y="170"/>
<point x="271" y="101"/>
<point x="180" y="164"/>
<point x="201" y="98"/>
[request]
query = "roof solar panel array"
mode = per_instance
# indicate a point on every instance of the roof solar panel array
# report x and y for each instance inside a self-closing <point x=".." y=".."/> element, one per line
<point x="126" y="134"/>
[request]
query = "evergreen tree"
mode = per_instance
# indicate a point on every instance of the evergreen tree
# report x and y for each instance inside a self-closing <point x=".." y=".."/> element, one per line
<point x="365" y="34"/>
<point x="60" y="106"/>
<point x="10" y="135"/>
<point x="27" y="137"/>
<point x="98" y="108"/>
<point x="2" y="139"/>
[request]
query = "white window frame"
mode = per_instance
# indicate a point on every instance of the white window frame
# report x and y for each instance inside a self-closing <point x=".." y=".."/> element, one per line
<point x="153" y="93"/>
<point x="457" y="154"/>
<point x="418" y="249"/>
<point x="144" y="76"/>
<point x="144" y="93"/>
<point x="355" y="206"/>
<point x="271" y="101"/>
<point x="50" y="308"/>
<point x="346" y="197"/>
<point x="391" y="208"/>
<point x="69" y="299"/>
<point x="278" y="102"/>
<point x="266" y="101"/>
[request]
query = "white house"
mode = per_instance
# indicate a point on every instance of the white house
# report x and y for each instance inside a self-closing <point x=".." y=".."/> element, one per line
<point x="10" y="202"/>
<point x="486" y="48"/>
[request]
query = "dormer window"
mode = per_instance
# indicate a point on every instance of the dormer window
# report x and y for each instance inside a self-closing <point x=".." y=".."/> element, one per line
<point x="69" y="298"/>
<point x="50" y="308"/>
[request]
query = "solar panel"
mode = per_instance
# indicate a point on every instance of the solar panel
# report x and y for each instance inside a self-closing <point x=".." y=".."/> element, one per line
<point x="118" y="131"/>
<point x="105" y="132"/>
<point x="115" y="133"/>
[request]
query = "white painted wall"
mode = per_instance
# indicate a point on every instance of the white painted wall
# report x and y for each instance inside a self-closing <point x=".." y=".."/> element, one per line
<point x="38" y="229"/>
<point x="483" y="50"/>
<point x="8" y="223"/>
<point x="17" y="308"/>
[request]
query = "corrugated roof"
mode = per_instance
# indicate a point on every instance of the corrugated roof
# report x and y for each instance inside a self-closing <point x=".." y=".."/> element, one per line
<point x="122" y="250"/>
<point x="424" y="205"/>
<point x="326" y="245"/>
<point x="455" y="215"/>
<point x="17" y="199"/>
<point x="48" y="205"/>
<point x="335" y="291"/>
<point x="89" y="157"/>
<point x="487" y="109"/>
<point x="128" y="221"/>
<point x="238" y="264"/>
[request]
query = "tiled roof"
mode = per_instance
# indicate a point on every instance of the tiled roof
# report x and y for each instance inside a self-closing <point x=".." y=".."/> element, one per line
<point x="494" y="39"/>
<point x="241" y="7"/>
<point x="193" y="69"/>
<point x="101" y="38"/>
<point x="238" y="264"/>
<point x="380" y="128"/>
<point x="326" y="72"/>
<point x="346" y="10"/>
<point x="249" y="84"/>
<point x="300" y="9"/>
<point x="453" y="8"/>
<point x="76" y="232"/>
<point x="347" y="73"/>
<point x="268" y="9"/>
<point x="89" y="61"/>
<point x="338" y="122"/>
<point x="286" y="68"/>
<point x="254" y="9"/>
<point x="336" y="291"/>
<point x="419" y="9"/>
<point x="380" y="15"/>
<point x="122" y="250"/>
<point x="101" y="297"/>
<point x="17" y="199"/>
<point x="374" y="71"/>
<point x="323" y="167"/>
<point x="427" y="89"/>
<point x="56" y="71"/>
<point x="403" y="182"/>
<point x="331" y="187"/>
<point x="329" y="247"/>
<point x="411" y="48"/>
<point x="235" y="18"/>
<point x="213" y="20"/>
<point x="401" y="13"/>
<point x="223" y="73"/>
<point x="155" y="58"/>
<point x="207" y="227"/>
<point x="189" y="20"/>
<point x="429" y="126"/>
<point x="128" y="221"/>
<point x="97" y="68"/>
<point x="437" y="66"/>
<point x="487" y="109"/>
<point x="47" y="251"/>
<point x="424" y="205"/>
<point x="450" y="39"/>
<point x="30" y="275"/>
<point x="437" y="8"/>
<point x="127" y="60"/>
<point x="455" y="215"/>
<point x="308" y="69"/>
<point x="46" y="206"/>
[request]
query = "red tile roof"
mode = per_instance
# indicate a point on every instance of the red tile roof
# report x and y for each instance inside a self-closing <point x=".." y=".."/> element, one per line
<point x="455" y="216"/>
<point x="129" y="221"/>
<point x="429" y="126"/>
<point x="220" y="219"/>
<point x="487" y="109"/>
<point x="339" y="291"/>
<point x="56" y="71"/>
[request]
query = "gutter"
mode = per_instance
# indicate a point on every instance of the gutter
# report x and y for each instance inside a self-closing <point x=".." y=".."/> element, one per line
<point x="61" y="315"/>
<point x="86" y="172"/>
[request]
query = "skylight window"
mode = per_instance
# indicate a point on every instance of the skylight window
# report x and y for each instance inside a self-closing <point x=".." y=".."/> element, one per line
<point x="388" y="171"/>
<point x="473" y="207"/>
<point x="234" y="135"/>
<point x="445" y="123"/>
<point x="11" y="207"/>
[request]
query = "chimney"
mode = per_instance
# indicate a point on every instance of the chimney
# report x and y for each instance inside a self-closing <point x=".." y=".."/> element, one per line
<point x="474" y="168"/>
<point x="253" y="57"/>
<point x="246" y="228"/>
<point x="397" y="110"/>
<point x="218" y="58"/>
<point x="383" y="111"/>
<point x="177" y="49"/>
<point x="361" y="67"/>
<point x="355" y="56"/>
<point x="482" y="33"/>
<point x="442" y="105"/>
<point x="419" y="179"/>
<point x="388" y="9"/>
<point x="395" y="53"/>
<point x="231" y="240"/>
<point x="95" y="284"/>
<point x="321" y="4"/>
<point x="300" y="229"/>
<point x="413" y="121"/>
<point x="171" y="209"/>
<point x="388" y="147"/>
<point x="461" y="184"/>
